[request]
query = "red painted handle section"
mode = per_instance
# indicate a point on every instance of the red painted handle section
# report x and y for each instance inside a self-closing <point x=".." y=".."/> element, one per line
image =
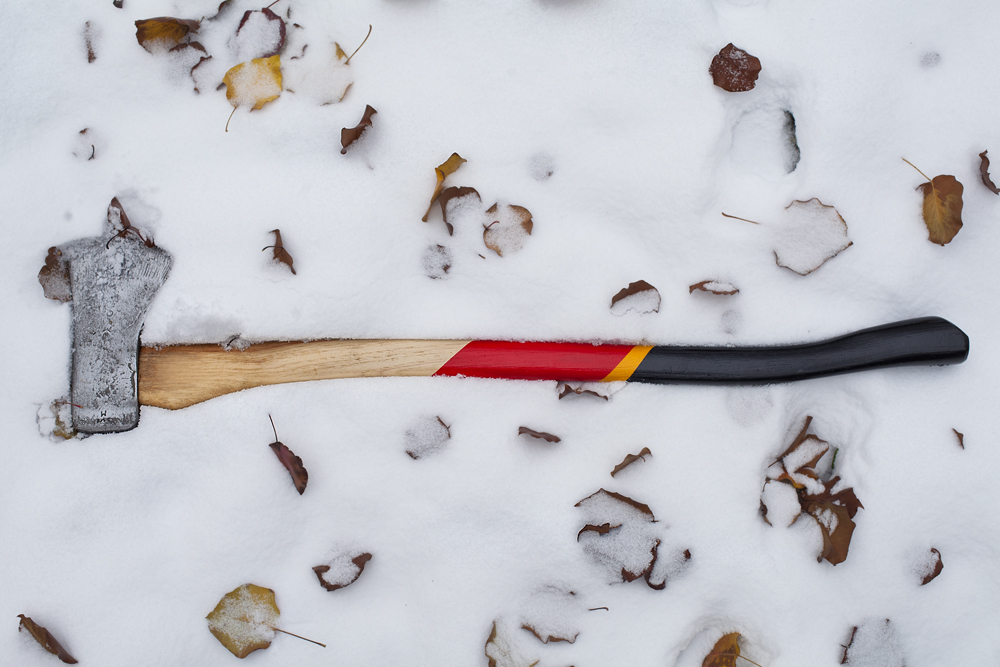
<point x="578" y="362"/>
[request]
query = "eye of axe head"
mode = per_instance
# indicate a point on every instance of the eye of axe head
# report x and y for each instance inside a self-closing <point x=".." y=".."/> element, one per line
<point x="112" y="284"/>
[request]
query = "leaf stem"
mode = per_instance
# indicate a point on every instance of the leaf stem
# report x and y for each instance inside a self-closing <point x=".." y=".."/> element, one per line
<point x="915" y="167"/>
<point x="348" y="61"/>
<point x="268" y="7"/>
<point x="275" y="437"/>
<point x="738" y="218"/>
<point x="229" y="119"/>
<point x="750" y="661"/>
<point x="313" y="640"/>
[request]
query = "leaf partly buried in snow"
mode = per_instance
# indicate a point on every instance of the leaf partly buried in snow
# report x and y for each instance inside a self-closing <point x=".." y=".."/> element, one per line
<point x="715" y="287"/>
<point x="565" y="389"/>
<point x="509" y="227"/>
<point x="244" y="620"/>
<point x="457" y="194"/>
<point x="260" y="34"/>
<point x="942" y="208"/>
<point x="551" y="614"/>
<point x="54" y="277"/>
<point x="349" y="135"/>
<point x="342" y="571"/>
<point x="734" y="69"/>
<point x="931" y="567"/>
<point x="837" y="528"/>
<point x="547" y="437"/>
<point x="254" y="83"/>
<point x="984" y="171"/>
<point x="502" y="652"/>
<point x="292" y="463"/>
<point x="428" y="436"/>
<point x="163" y="32"/>
<point x="639" y="296"/>
<point x="630" y="459"/>
<point x="809" y="233"/>
<point x="280" y="254"/>
<point x="873" y="642"/>
<point x="45" y="638"/>
<point x="443" y="171"/>
<point x="724" y="653"/>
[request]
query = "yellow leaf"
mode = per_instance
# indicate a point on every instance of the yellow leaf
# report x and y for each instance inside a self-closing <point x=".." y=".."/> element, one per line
<point x="163" y="31"/>
<point x="244" y="619"/>
<point x="447" y="168"/>
<point x="340" y="52"/>
<point x="254" y="83"/>
<point x="942" y="208"/>
<point x="724" y="653"/>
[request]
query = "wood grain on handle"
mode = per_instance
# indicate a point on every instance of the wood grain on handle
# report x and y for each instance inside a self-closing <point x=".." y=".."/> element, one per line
<point x="181" y="375"/>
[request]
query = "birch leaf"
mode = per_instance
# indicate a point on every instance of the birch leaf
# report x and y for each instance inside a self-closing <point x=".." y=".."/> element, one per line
<point x="254" y="83"/>
<point x="163" y="32"/>
<point x="244" y="619"/>
<point x="724" y="653"/>
<point x="509" y="228"/>
<point x="809" y="233"/>
<point x="942" y="208"/>
<point x="444" y="170"/>
<point x="45" y="638"/>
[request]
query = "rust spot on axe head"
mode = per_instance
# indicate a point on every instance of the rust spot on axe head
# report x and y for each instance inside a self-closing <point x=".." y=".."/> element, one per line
<point x="112" y="284"/>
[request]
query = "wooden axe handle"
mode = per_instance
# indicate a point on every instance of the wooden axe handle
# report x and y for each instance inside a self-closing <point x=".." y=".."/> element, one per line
<point x="179" y="376"/>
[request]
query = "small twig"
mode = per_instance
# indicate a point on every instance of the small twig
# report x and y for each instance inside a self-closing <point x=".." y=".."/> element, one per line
<point x="738" y="218"/>
<point x="229" y="119"/>
<point x="268" y="7"/>
<point x="915" y="167"/>
<point x="276" y="440"/>
<point x="348" y="61"/>
<point x="308" y="640"/>
<point x="596" y="608"/>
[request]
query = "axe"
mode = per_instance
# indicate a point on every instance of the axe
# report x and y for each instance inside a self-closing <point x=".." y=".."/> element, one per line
<point x="111" y="282"/>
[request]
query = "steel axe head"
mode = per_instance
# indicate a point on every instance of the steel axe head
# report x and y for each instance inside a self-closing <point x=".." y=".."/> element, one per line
<point x="111" y="284"/>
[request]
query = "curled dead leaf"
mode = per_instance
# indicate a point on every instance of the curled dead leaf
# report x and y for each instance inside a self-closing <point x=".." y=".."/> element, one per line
<point x="639" y="296"/>
<point x="566" y="389"/>
<point x="932" y="567"/>
<point x="630" y="459"/>
<point x="293" y="464"/>
<point x="718" y="287"/>
<point x="984" y="172"/>
<point x="342" y="571"/>
<point x="457" y="194"/>
<point x="837" y="528"/>
<point x="349" y="135"/>
<point x="547" y="437"/>
<point x="45" y="638"/>
<point x="280" y="254"/>
<point x="442" y="171"/>
<point x="163" y="32"/>
<point x="734" y="70"/>
<point x="961" y="436"/>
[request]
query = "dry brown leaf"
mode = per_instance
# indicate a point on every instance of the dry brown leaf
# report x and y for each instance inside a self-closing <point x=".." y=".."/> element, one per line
<point x="566" y="389"/>
<point x="442" y="171"/>
<point x="961" y="436"/>
<point x="280" y="254"/>
<point x="935" y="567"/>
<point x="630" y="459"/>
<point x="293" y="464"/>
<point x="724" y="653"/>
<point x="984" y="171"/>
<point x="45" y="638"/>
<point x="645" y="298"/>
<point x="715" y="287"/>
<point x="345" y="575"/>
<point x="547" y="437"/>
<point x="254" y="83"/>
<point x="54" y="277"/>
<point x="835" y="523"/>
<point x="510" y="226"/>
<point x="734" y="69"/>
<point x="454" y="193"/>
<point x="88" y="40"/>
<point x="244" y="619"/>
<point x="501" y="652"/>
<point x="349" y="135"/>
<point x="942" y="208"/>
<point x="163" y="32"/>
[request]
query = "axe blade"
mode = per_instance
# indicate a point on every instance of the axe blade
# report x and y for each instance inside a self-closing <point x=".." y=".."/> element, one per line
<point x="112" y="286"/>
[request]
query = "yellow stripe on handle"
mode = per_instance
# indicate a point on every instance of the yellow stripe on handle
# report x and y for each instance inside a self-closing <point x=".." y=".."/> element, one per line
<point x="627" y="366"/>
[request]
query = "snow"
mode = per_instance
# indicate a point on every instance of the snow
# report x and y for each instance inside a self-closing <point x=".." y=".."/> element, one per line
<point x="601" y="119"/>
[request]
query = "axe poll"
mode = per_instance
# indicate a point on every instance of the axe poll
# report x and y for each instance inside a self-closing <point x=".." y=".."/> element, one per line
<point x="111" y="284"/>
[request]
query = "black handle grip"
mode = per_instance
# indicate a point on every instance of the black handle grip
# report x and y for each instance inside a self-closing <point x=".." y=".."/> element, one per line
<point x="922" y="341"/>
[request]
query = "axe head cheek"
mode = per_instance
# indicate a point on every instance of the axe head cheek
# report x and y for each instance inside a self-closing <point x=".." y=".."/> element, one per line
<point x="112" y="284"/>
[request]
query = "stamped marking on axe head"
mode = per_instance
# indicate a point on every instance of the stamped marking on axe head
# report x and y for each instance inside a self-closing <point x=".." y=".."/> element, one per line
<point x="111" y="286"/>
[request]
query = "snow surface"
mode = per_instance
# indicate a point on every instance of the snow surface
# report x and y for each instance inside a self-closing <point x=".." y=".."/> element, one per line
<point x="601" y="119"/>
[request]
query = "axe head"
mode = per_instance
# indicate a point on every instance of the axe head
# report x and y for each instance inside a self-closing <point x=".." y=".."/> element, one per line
<point x="111" y="284"/>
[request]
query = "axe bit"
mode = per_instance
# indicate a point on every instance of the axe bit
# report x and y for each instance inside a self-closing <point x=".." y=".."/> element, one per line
<point x="113" y="283"/>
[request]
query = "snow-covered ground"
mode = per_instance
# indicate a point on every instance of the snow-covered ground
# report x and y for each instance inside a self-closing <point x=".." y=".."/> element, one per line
<point x="602" y="120"/>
